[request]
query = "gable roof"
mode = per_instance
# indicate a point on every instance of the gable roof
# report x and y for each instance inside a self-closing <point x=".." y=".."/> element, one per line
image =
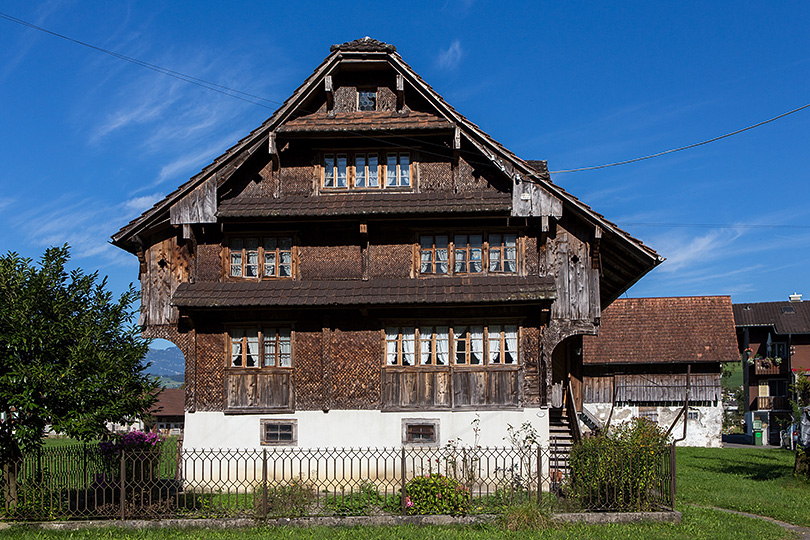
<point x="785" y="317"/>
<point x="693" y="329"/>
<point x="170" y="402"/>
<point x="628" y="259"/>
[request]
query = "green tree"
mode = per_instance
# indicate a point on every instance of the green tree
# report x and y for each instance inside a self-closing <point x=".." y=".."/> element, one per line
<point x="69" y="355"/>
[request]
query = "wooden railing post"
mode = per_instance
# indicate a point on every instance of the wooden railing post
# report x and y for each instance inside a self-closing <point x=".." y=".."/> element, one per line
<point x="123" y="474"/>
<point x="403" y="488"/>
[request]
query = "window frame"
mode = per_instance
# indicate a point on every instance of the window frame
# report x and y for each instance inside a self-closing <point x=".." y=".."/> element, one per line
<point x="261" y="337"/>
<point x="367" y="90"/>
<point x="452" y="349"/>
<point x="264" y="423"/>
<point x="261" y="255"/>
<point x="351" y="170"/>
<point x="432" y="423"/>
<point x="453" y="248"/>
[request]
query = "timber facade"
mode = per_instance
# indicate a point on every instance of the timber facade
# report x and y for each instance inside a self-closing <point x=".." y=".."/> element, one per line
<point x="369" y="267"/>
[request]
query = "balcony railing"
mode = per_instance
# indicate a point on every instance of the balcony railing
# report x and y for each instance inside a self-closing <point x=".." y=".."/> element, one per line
<point x="766" y="366"/>
<point x="773" y="403"/>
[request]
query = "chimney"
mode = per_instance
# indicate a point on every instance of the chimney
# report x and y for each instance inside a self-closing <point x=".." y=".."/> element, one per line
<point x="795" y="297"/>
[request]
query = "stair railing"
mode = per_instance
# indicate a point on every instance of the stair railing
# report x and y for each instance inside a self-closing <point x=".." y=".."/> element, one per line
<point x="571" y="411"/>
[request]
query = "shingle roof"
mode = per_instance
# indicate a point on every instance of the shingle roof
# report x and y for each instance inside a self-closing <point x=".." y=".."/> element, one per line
<point x="448" y="290"/>
<point x="365" y="44"/>
<point x="785" y="317"/>
<point x="367" y="121"/>
<point x="354" y="204"/>
<point x="170" y="402"/>
<point x="664" y="330"/>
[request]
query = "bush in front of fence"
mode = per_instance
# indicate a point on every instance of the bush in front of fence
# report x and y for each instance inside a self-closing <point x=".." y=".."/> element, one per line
<point x="625" y="470"/>
<point x="436" y="494"/>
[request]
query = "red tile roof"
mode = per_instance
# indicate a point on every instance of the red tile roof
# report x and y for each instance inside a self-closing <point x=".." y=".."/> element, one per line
<point x="358" y="204"/>
<point x="441" y="290"/>
<point x="171" y="402"/>
<point x="664" y="330"/>
<point x="785" y="317"/>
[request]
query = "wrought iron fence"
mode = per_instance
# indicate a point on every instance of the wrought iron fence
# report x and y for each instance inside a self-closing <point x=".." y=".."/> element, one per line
<point x="81" y="482"/>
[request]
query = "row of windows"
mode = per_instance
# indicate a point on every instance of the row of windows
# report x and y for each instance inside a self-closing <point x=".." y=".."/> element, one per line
<point x="470" y="345"/>
<point x="467" y="253"/>
<point x="367" y="170"/>
<point x="467" y="345"/>
<point x="271" y="257"/>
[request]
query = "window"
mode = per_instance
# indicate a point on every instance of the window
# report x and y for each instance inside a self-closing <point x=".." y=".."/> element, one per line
<point x="471" y="345"/>
<point x="692" y="415"/>
<point x="367" y="100"/>
<point x="779" y="350"/>
<point x="419" y="431"/>
<point x="364" y="170"/>
<point x="275" y="350"/>
<point x="256" y="257"/>
<point x="433" y="254"/>
<point x="468" y="251"/>
<point x="650" y="414"/>
<point x="279" y="432"/>
<point x="398" y="170"/>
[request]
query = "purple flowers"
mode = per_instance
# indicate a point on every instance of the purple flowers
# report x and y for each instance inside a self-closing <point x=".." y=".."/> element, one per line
<point x="134" y="440"/>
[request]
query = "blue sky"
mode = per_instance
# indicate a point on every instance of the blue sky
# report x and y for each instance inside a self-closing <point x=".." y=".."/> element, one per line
<point x="90" y="141"/>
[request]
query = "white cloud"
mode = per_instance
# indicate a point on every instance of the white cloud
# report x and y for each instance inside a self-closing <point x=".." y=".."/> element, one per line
<point x="450" y="57"/>
<point x="140" y="204"/>
<point x="5" y="202"/>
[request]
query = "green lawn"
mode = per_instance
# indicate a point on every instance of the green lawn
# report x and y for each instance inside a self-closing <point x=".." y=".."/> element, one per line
<point x="759" y="481"/>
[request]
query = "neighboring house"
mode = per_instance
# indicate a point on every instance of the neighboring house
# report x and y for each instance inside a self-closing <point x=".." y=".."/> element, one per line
<point x="648" y="351"/>
<point x="369" y="268"/>
<point x="168" y="412"/>
<point x="774" y="340"/>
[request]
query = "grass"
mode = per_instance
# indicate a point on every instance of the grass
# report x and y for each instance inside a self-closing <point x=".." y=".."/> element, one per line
<point x="697" y="523"/>
<point x="758" y="481"/>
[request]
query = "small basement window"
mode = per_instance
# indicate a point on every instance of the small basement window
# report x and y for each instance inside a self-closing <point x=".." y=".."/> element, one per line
<point x="279" y="432"/>
<point x="693" y="415"/>
<point x="418" y="431"/>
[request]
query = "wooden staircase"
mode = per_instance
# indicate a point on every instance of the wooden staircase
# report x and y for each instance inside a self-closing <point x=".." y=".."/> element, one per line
<point x="561" y="440"/>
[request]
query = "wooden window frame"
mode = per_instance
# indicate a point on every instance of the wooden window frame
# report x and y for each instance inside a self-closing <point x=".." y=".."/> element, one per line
<point x="453" y="248"/>
<point x="408" y="434"/>
<point x="264" y="423"/>
<point x="398" y="176"/>
<point x="399" y="349"/>
<point x="261" y="257"/>
<point x="351" y="170"/>
<point x="432" y="250"/>
<point x="367" y="90"/>
<point x="261" y="334"/>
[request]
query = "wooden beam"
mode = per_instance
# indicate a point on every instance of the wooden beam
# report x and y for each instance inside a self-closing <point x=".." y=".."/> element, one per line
<point x="400" y="92"/>
<point x="330" y="94"/>
<point x="271" y="139"/>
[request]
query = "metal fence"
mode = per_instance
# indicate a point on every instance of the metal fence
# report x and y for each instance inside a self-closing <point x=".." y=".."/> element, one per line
<point x="81" y="482"/>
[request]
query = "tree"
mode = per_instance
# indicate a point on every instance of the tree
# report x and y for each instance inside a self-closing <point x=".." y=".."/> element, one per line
<point x="69" y="355"/>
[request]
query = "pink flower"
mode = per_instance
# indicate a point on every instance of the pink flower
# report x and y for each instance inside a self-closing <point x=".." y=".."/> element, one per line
<point x="408" y="502"/>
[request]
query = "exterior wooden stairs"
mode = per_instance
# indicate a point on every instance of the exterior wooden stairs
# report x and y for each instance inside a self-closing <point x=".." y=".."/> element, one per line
<point x="561" y="439"/>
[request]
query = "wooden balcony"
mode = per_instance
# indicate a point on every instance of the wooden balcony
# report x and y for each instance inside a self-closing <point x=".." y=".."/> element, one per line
<point x="763" y="366"/>
<point x="773" y="403"/>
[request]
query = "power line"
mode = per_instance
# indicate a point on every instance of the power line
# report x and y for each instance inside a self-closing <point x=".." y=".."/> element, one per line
<point x="252" y="98"/>
<point x="707" y="141"/>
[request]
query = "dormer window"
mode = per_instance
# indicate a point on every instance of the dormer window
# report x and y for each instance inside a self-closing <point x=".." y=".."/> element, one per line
<point x="366" y="170"/>
<point x="367" y="100"/>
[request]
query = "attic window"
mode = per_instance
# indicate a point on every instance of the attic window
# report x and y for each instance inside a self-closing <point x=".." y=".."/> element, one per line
<point x="788" y="309"/>
<point x="367" y="100"/>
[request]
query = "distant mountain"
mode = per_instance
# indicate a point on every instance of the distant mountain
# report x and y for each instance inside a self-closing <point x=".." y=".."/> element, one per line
<point x="167" y="363"/>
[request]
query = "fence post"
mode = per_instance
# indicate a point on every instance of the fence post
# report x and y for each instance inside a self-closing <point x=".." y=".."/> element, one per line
<point x="672" y="475"/>
<point x="539" y="474"/>
<point x="123" y="475"/>
<point x="264" y="484"/>
<point x="403" y="488"/>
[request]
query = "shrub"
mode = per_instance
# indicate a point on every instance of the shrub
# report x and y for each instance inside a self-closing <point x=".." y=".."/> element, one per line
<point x="285" y="500"/>
<point x="621" y="471"/>
<point x="436" y="494"/>
<point x="358" y="502"/>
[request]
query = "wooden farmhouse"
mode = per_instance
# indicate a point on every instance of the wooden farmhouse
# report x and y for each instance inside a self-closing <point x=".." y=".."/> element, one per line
<point x="369" y="268"/>
<point x="774" y="341"/>
<point x="653" y="356"/>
